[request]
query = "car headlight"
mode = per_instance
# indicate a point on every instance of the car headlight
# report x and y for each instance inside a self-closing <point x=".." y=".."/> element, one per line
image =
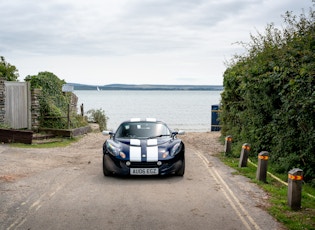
<point x="112" y="149"/>
<point x="176" y="149"/>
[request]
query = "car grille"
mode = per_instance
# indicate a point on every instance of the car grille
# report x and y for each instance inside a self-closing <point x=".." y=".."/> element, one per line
<point x="143" y="164"/>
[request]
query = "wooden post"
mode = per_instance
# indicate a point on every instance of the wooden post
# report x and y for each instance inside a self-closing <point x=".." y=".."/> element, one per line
<point x="262" y="166"/>
<point x="68" y="116"/>
<point x="244" y="155"/>
<point x="228" y="145"/>
<point x="295" y="178"/>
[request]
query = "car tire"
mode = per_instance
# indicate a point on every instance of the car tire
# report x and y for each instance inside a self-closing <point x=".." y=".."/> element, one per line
<point x="106" y="172"/>
<point x="181" y="171"/>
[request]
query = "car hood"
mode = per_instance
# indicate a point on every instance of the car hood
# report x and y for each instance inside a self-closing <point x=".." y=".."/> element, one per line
<point x="149" y="150"/>
<point x="144" y="142"/>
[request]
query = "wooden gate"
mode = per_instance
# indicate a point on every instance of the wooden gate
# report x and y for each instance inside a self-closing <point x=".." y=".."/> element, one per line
<point x="18" y="104"/>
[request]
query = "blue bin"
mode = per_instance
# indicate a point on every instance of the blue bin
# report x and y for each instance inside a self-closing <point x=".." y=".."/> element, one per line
<point x="215" y="124"/>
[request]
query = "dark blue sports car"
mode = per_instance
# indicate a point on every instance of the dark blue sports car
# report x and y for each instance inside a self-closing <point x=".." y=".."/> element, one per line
<point x="143" y="147"/>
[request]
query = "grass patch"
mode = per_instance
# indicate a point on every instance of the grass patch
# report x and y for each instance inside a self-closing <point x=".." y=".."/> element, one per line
<point x="49" y="143"/>
<point x="295" y="220"/>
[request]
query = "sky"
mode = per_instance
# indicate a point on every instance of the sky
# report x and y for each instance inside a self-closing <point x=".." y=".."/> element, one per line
<point x="100" y="42"/>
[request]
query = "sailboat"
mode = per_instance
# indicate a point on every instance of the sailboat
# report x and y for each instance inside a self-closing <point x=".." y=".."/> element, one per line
<point x="98" y="89"/>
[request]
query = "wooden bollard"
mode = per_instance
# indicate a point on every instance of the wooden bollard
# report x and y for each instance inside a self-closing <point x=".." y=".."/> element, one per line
<point x="262" y="166"/>
<point x="228" y="144"/>
<point x="295" y="179"/>
<point x="244" y="155"/>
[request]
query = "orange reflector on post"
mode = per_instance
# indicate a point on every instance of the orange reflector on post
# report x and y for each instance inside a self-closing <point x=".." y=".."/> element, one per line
<point x="295" y="177"/>
<point x="246" y="147"/>
<point x="263" y="157"/>
<point x="228" y="138"/>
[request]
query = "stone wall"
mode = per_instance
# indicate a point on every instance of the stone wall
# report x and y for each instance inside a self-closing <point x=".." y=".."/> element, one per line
<point x="35" y="108"/>
<point x="74" y="103"/>
<point x="2" y="101"/>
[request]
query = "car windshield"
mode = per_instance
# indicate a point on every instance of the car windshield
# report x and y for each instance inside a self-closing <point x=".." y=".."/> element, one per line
<point x="142" y="130"/>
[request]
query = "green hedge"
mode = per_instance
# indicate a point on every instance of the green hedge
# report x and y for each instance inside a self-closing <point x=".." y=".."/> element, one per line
<point x="269" y="94"/>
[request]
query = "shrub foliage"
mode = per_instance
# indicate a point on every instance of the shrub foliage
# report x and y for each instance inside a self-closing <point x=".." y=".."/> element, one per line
<point x="98" y="116"/>
<point x="53" y="102"/>
<point x="269" y="94"/>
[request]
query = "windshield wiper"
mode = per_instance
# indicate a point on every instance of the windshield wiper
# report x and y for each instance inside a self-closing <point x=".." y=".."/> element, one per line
<point x="162" y="135"/>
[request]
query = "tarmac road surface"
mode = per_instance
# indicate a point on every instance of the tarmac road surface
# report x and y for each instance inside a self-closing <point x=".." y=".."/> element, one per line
<point x="78" y="196"/>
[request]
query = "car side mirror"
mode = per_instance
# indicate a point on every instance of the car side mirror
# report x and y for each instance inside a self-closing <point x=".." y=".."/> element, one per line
<point x="179" y="132"/>
<point x="106" y="133"/>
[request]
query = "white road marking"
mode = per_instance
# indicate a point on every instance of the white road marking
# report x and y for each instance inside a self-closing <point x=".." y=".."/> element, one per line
<point x="228" y="193"/>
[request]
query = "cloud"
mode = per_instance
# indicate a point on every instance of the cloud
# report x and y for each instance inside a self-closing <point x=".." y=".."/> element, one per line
<point x="165" y="39"/>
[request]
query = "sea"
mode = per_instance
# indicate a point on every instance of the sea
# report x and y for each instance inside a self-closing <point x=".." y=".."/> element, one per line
<point x="180" y="110"/>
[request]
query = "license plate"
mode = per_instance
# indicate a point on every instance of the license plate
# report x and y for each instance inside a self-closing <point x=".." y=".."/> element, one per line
<point x="144" y="171"/>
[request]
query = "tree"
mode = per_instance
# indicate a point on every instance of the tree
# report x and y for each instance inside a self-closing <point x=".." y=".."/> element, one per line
<point x="7" y="71"/>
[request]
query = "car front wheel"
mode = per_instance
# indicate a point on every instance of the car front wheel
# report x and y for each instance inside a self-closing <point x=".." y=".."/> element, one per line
<point x="181" y="171"/>
<point x="106" y="172"/>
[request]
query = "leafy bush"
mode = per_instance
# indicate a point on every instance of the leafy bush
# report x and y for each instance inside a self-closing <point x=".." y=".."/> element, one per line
<point x="53" y="102"/>
<point x="98" y="116"/>
<point x="78" y="121"/>
<point x="269" y="94"/>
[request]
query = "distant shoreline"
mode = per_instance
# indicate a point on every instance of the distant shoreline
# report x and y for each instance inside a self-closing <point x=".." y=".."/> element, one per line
<point x="77" y="86"/>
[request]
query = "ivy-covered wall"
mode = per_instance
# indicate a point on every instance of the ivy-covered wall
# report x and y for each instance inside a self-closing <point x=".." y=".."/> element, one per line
<point x="53" y="104"/>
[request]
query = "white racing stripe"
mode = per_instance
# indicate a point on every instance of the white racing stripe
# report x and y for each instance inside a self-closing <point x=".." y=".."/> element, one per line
<point x="151" y="119"/>
<point x="135" y="142"/>
<point x="152" y="150"/>
<point x="152" y="154"/>
<point x="151" y="142"/>
<point x="135" y="150"/>
<point x="135" y="119"/>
